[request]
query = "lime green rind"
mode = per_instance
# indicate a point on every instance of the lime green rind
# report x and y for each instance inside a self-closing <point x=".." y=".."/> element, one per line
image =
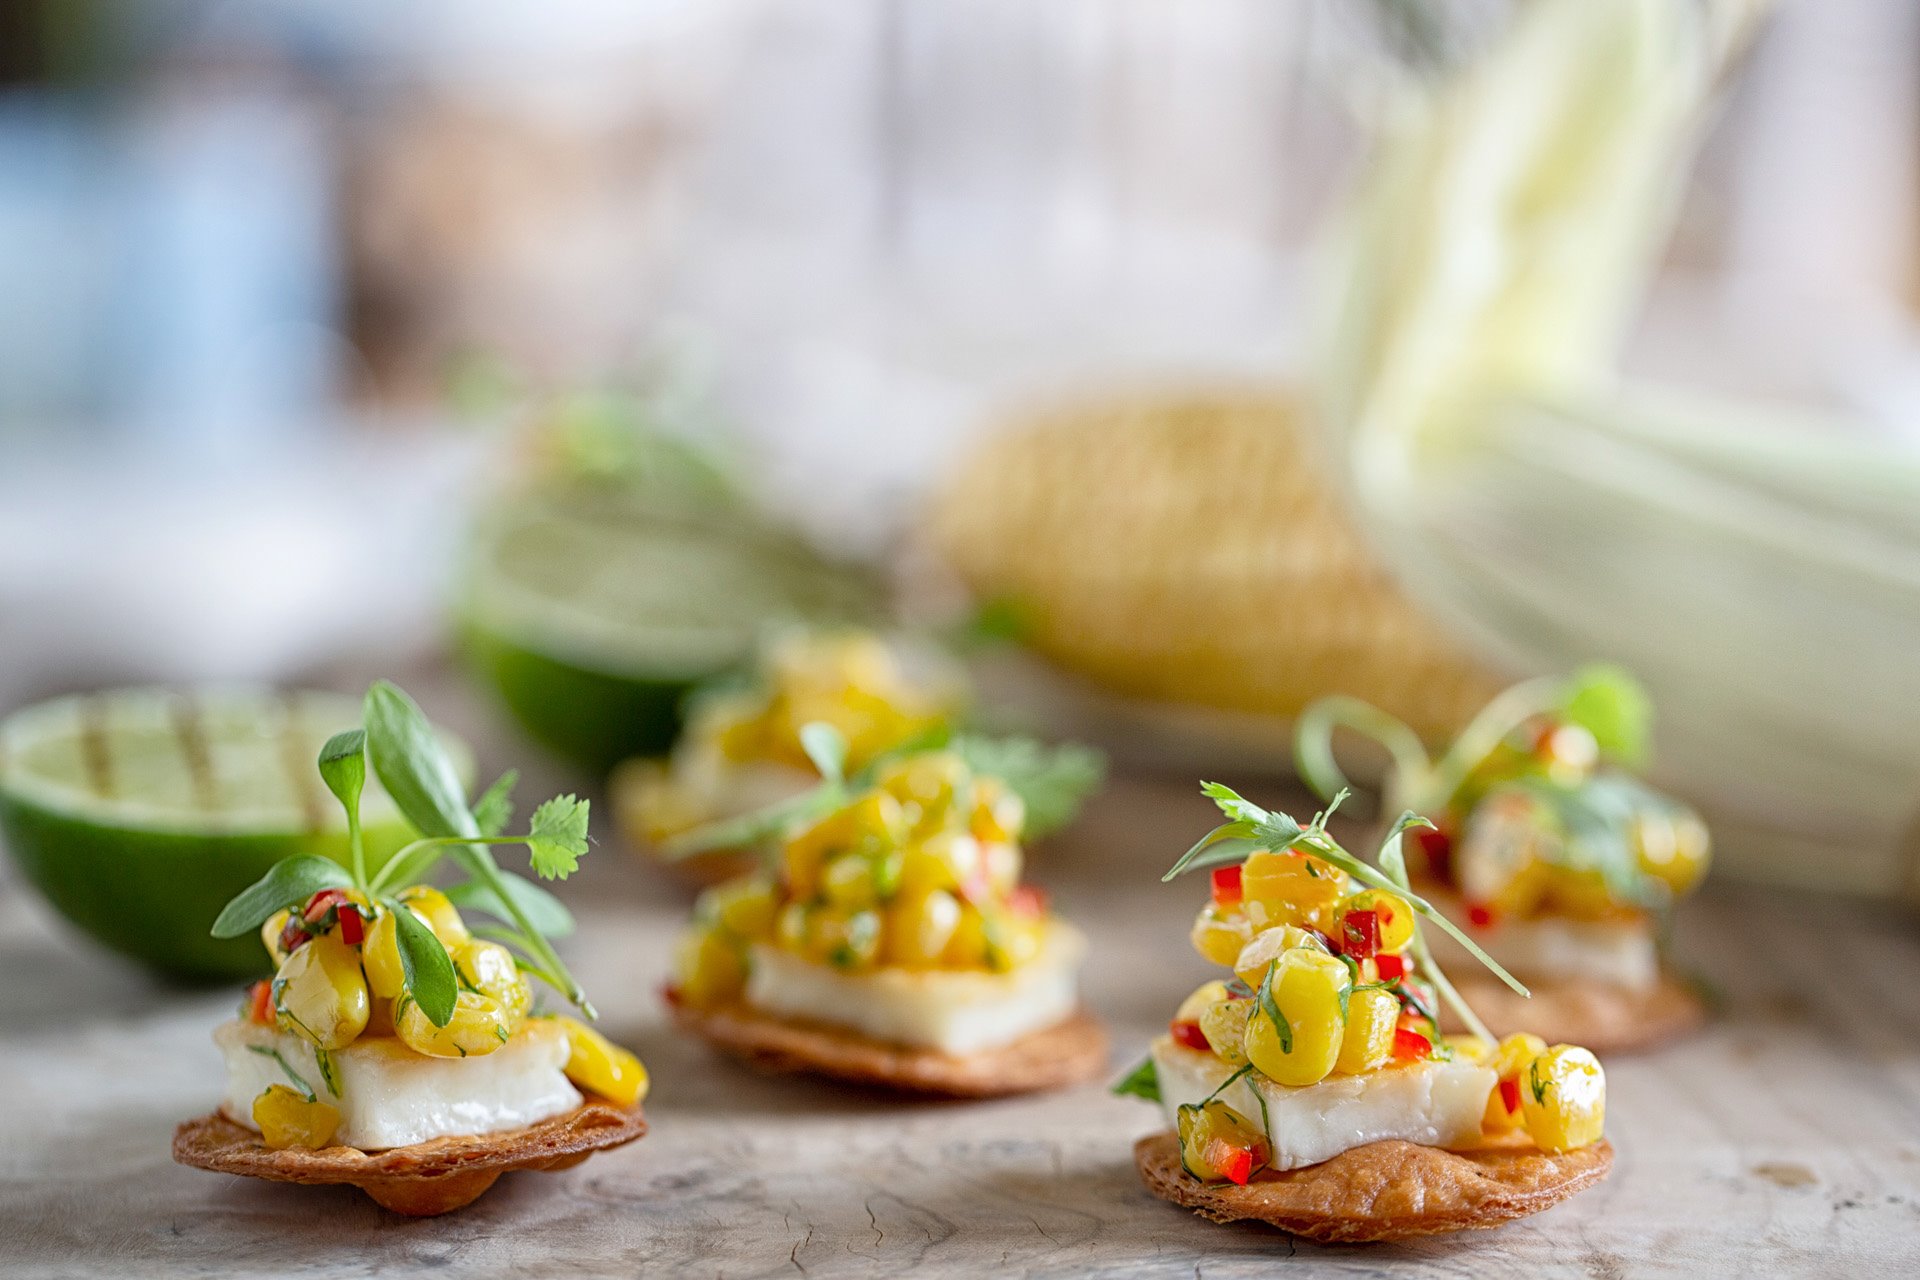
<point x="152" y="895"/>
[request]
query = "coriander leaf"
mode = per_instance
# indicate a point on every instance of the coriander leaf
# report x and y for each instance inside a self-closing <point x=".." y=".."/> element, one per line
<point x="343" y="767"/>
<point x="426" y="964"/>
<point x="1244" y="1070"/>
<point x="1233" y="804"/>
<point x="409" y="867"/>
<point x="1141" y="1082"/>
<point x="1271" y="829"/>
<point x="826" y="747"/>
<point x="1609" y="703"/>
<point x="289" y="881"/>
<point x="557" y="839"/>
<point x="1050" y="781"/>
<point x="543" y="911"/>
<point x="328" y="1075"/>
<point x="494" y="809"/>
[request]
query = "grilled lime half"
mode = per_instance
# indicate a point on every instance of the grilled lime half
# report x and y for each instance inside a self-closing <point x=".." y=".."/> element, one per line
<point x="140" y="812"/>
<point x="593" y="618"/>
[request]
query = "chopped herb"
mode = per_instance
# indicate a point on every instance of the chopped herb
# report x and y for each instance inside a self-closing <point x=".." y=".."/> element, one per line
<point x="1141" y="1082"/>
<point x="1271" y="1008"/>
<point x="1225" y="1083"/>
<point x="1535" y="1083"/>
<point x="306" y="1090"/>
<point x="327" y="1073"/>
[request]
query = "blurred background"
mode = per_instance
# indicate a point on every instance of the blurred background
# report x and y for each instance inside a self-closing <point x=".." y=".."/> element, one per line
<point x="293" y="295"/>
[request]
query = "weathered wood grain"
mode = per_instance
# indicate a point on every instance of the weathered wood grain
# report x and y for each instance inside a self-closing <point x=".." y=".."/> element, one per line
<point x="1784" y="1140"/>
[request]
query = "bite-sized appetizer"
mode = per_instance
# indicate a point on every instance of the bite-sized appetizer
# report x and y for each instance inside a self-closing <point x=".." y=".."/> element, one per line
<point x="741" y="751"/>
<point x="395" y="1047"/>
<point x="1311" y="1087"/>
<point x="888" y="939"/>
<point x="1561" y="863"/>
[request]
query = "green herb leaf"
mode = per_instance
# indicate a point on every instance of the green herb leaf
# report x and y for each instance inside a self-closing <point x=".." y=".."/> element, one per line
<point x="1271" y="1008"/>
<point x="1609" y="703"/>
<point x="1273" y="830"/>
<point x="427" y="966"/>
<point x="751" y="830"/>
<point x="1535" y="1083"/>
<point x="1141" y="1082"/>
<point x="413" y="766"/>
<point x="328" y="1073"/>
<point x="1051" y="782"/>
<point x="1225" y="845"/>
<point x="408" y="867"/>
<point x="1244" y="1070"/>
<point x="306" y="1090"/>
<point x="289" y="881"/>
<point x="558" y="838"/>
<point x="826" y="747"/>
<point x="343" y="767"/>
<point x="546" y="913"/>
<point x="494" y="809"/>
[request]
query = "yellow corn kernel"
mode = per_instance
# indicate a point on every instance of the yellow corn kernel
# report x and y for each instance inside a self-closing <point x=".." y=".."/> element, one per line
<point x="844" y="939"/>
<point x="967" y="948"/>
<point x="1291" y="887"/>
<point x="600" y="1066"/>
<point x="999" y="814"/>
<point x="1218" y="1144"/>
<point x="1012" y="940"/>
<point x="319" y="994"/>
<point x="918" y="928"/>
<point x="1509" y="1060"/>
<point x="925" y="785"/>
<point x="1673" y="847"/>
<point x="1367" y="1041"/>
<point x="856" y="880"/>
<point x="490" y="969"/>
<point x="708" y="969"/>
<point x="1205" y="994"/>
<point x="1470" y="1048"/>
<point x="1224" y="1024"/>
<point x="870" y="824"/>
<point x="270" y="935"/>
<point x="1563" y="1094"/>
<point x="1219" y="935"/>
<point x="441" y="915"/>
<point x="1251" y="964"/>
<point x="945" y="860"/>
<point x="380" y="953"/>
<point x="479" y="1025"/>
<point x="1306" y="988"/>
<point x="1394" y="912"/>
<point x="744" y="907"/>
<point x="287" y="1119"/>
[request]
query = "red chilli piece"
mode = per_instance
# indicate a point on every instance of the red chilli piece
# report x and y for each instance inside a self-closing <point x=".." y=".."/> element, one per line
<point x="260" y="1003"/>
<point x="1238" y="1166"/>
<point x="1188" y="1033"/>
<point x="1226" y="886"/>
<point x="1411" y="1046"/>
<point x="321" y="903"/>
<point x="1437" y="847"/>
<point x="1360" y="934"/>
<point x="352" y="928"/>
<point x="1482" y="916"/>
<point x="1390" y="965"/>
<point x="293" y="936"/>
<point x="1510" y="1096"/>
<point x="1028" y="901"/>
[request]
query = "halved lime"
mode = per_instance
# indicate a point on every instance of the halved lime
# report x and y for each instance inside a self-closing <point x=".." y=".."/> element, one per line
<point x="140" y="812"/>
<point x="593" y="616"/>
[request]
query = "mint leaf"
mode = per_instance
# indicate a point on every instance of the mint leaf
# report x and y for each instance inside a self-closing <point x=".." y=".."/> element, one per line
<point x="287" y="882"/>
<point x="494" y="809"/>
<point x="413" y="766"/>
<point x="557" y="839"/>
<point x="305" y="1089"/>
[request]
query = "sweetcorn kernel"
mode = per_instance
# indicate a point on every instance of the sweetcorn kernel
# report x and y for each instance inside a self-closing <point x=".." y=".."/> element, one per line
<point x="600" y="1066"/>
<point x="1563" y="1095"/>
<point x="287" y="1119"/>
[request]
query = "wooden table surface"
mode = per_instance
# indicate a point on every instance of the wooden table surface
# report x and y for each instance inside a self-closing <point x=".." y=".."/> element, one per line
<point x="1785" y="1140"/>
